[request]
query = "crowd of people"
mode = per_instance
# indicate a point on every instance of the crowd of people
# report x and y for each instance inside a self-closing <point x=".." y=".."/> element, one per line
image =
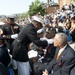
<point x="39" y="45"/>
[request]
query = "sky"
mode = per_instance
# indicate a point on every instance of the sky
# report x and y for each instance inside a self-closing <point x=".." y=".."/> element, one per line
<point x="9" y="7"/>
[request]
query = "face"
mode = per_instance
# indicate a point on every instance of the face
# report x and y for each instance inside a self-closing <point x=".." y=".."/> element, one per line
<point x="39" y="25"/>
<point x="56" y="42"/>
<point x="7" y="20"/>
<point x="11" y="22"/>
<point x="41" y="35"/>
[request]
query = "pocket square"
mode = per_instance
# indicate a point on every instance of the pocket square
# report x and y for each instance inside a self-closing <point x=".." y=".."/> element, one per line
<point x="60" y="64"/>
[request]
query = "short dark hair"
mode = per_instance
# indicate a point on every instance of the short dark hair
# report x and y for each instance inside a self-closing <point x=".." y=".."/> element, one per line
<point x="73" y="18"/>
<point x="11" y="18"/>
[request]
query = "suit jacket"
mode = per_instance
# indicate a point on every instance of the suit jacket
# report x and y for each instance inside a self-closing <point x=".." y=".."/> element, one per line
<point x="4" y="56"/>
<point x="27" y="35"/>
<point x="64" y="64"/>
<point x="3" y="70"/>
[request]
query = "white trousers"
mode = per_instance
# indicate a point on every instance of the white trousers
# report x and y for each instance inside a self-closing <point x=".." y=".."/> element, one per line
<point x="23" y="68"/>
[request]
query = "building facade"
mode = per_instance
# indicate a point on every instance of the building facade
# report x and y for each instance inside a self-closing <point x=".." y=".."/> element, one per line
<point x="52" y="9"/>
<point x="63" y="2"/>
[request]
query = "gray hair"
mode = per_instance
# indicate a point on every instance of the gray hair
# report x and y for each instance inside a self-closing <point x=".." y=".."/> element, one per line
<point x="62" y="38"/>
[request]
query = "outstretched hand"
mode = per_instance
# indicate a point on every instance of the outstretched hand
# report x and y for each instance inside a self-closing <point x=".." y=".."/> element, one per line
<point x="45" y="72"/>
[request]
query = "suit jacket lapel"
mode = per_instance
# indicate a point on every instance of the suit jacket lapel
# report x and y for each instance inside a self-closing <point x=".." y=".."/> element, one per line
<point x="60" y="58"/>
<point x="62" y="55"/>
<point x="54" y="60"/>
<point x="56" y="52"/>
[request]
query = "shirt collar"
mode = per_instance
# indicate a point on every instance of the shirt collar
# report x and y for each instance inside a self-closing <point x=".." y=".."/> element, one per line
<point x="62" y="49"/>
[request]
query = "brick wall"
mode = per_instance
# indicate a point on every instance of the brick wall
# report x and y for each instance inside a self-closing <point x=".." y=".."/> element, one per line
<point x="63" y="2"/>
<point x="52" y="9"/>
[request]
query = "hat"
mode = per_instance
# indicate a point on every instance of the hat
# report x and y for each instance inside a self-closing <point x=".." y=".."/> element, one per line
<point x="11" y="18"/>
<point x="40" y="31"/>
<point x="38" y="19"/>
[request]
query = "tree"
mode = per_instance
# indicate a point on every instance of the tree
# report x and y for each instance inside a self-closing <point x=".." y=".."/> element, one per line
<point x="23" y="15"/>
<point x="36" y="7"/>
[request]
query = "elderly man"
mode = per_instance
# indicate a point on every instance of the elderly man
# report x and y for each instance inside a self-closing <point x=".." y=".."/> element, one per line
<point x="64" y="59"/>
<point x="27" y="35"/>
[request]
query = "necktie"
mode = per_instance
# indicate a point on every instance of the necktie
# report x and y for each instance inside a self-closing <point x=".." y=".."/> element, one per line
<point x="58" y="55"/>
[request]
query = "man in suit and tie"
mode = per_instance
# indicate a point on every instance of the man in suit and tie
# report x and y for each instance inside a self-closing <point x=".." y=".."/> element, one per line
<point x="64" y="59"/>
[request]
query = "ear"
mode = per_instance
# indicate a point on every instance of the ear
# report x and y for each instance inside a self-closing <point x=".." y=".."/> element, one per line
<point x="60" y="44"/>
<point x="35" y="24"/>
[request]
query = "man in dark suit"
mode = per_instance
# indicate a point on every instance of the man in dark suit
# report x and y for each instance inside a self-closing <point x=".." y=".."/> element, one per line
<point x="27" y="35"/>
<point x="3" y="70"/>
<point x="64" y="59"/>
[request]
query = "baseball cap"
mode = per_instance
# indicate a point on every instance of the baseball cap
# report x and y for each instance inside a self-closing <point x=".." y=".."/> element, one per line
<point x="40" y="31"/>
